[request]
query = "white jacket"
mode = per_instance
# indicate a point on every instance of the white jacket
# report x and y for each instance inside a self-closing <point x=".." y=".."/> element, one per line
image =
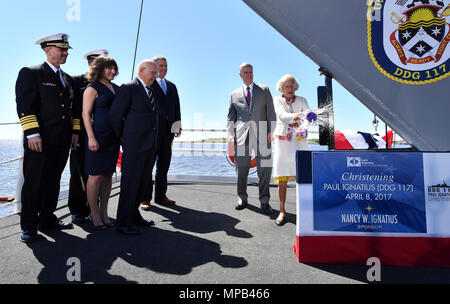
<point x="284" y="114"/>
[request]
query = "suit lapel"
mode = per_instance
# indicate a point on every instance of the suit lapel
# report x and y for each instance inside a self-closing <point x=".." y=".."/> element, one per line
<point x="66" y="80"/>
<point x="139" y="87"/>
<point x="170" y="91"/>
<point x="68" y="87"/>
<point x="299" y="104"/>
<point x="242" y="99"/>
<point x="167" y="86"/>
<point x="50" y="74"/>
<point x="146" y="98"/>
<point x="255" y="96"/>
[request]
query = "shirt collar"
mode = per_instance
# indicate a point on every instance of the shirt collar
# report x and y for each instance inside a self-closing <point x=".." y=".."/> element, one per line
<point x="143" y="84"/>
<point x="53" y="67"/>
<point x="141" y="81"/>
<point x="245" y="86"/>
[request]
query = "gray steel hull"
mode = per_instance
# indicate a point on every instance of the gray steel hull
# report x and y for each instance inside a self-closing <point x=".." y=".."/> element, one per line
<point x="334" y="34"/>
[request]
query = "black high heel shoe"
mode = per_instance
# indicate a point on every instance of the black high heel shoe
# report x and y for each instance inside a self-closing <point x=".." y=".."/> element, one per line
<point x="109" y="224"/>
<point x="98" y="227"/>
<point x="281" y="222"/>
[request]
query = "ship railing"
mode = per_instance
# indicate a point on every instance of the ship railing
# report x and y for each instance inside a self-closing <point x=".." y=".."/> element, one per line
<point x="17" y="199"/>
<point x="207" y="142"/>
<point x="200" y="146"/>
<point x="191" y="143"/>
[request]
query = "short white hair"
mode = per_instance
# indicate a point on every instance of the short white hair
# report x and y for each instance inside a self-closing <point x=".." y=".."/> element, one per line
<point x="244" y="65"/>
<point x="285" y="78"/>
<point x="145" y="62"/>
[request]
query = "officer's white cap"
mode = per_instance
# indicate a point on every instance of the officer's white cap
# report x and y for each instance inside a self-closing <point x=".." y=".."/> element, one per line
<point x="95" y="53"/>
<point x="60" y="40"/>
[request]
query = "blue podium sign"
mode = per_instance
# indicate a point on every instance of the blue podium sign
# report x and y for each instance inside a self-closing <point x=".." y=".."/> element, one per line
<point x="369" y="192"/>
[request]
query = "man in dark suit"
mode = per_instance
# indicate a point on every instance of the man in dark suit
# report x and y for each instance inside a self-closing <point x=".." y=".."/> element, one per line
<point x="134" y="118"/>
<point x="77" y="200"/>
<point x="44" y="98"/>
<point x="169" y="126"/>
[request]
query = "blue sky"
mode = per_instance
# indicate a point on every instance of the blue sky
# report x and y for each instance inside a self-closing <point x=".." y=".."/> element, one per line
<point x="204" y="41"/>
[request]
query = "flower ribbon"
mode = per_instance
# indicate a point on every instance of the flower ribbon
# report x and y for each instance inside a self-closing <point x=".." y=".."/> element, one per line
<point x="311" y="116"/>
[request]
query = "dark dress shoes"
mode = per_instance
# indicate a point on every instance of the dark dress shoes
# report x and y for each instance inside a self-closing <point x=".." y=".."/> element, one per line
<point x="165" y="201"/>
<point x="146" y="206"/>
<point x="266" y="209"/>
<point x="56" y="225"/>
<point x="129" y="230"/>
<point x="143" y="222"/>
<point x="28" y="236"/>
<point x="241" y="205"/>
<point x="79" y="219"/>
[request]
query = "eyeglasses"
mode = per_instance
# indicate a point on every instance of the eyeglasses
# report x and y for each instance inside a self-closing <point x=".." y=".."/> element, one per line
<point x="156" y="73"/>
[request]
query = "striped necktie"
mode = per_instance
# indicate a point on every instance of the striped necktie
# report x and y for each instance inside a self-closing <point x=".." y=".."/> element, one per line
<point x="248" y="97"/>
<point x="150" y="94"/>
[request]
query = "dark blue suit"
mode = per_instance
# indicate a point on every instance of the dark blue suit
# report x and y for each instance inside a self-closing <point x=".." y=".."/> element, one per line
<point x="77" y="200"/>
<point x="169" y="123"/>
<point x="44" y="106"/>
<point x="135" y="119"/>
<point x="172" y="107"/>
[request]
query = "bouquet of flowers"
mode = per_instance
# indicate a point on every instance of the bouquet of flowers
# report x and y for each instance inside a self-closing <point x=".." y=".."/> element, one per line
<point x="299" y="128"/>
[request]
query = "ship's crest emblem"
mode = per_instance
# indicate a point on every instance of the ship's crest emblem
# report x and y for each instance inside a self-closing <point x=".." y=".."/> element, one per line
<point x="408" y="39"/>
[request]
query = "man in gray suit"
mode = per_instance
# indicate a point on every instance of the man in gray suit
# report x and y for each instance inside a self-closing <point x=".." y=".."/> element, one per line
<point x="250" y="116"/>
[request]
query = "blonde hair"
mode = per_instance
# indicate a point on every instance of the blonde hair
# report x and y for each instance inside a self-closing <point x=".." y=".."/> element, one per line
<point x="283" y="80"/>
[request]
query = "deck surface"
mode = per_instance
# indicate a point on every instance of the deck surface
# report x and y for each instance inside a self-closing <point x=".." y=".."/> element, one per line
<point x="202" y="239"/>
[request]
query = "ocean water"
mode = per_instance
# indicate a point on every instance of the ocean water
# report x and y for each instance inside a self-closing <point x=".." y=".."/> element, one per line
<point x="196" y="162"/>
<point x="187" y="159"/>
<point x="9" y="149"/>
<point x="201" y="160"/>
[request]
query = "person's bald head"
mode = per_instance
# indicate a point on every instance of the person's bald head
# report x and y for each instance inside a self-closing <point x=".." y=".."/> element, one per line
<point x="148" y="71"/>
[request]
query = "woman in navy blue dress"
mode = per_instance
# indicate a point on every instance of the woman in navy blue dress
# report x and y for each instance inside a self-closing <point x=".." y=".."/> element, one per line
<point x="102" y="148"/>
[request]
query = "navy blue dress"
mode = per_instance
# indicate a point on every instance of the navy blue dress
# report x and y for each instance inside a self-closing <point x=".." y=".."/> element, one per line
<point x="104" y="160"/>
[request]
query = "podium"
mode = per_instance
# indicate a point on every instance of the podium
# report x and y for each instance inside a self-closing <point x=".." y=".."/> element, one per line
<point x="354" y="205"/>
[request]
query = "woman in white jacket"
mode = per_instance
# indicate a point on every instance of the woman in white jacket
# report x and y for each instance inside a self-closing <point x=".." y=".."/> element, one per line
<point x="288" y="137"/>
